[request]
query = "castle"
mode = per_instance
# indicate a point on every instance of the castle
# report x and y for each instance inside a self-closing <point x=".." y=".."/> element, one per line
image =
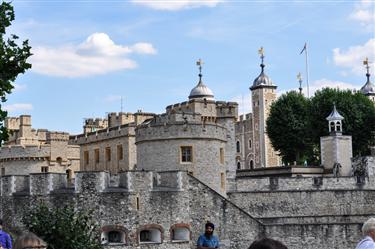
<point x="154" y="180"/>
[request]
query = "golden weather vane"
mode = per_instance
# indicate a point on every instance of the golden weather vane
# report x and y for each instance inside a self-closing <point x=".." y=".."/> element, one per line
<point x="200" y="63"/>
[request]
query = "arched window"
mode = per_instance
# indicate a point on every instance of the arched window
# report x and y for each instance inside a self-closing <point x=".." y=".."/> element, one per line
<point x="251" y="164"/>
<point x="59" y="161"/>
<point x="238" y="148"/>
<point x="180" y="232"/>
<point x="338" y="126"/>
<point x="113" y="235"/>
<point x="150" y="234"/>
<point x="332" y="126"/>
<point x="238" y="165"/>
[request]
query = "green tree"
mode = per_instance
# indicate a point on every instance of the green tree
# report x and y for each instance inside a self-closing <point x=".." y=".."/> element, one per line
<point x="288" y="127"/>
<point x="63" y="227"/>
<point x="358" y="112"/>
<point x="13" y="60"/>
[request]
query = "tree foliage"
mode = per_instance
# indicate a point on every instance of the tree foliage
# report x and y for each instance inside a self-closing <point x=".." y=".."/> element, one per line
<point x="287" y="127"/>
<point x="13" y="60"/>
<point x="358" y="112"/>
<point x="296" y="123"/>
<point x="63" y="227"/>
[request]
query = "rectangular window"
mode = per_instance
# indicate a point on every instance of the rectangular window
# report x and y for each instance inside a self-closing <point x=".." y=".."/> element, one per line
<point x="120" y="154"/>
<point x="3" y="171"/>
<point x="186" y="154"/>
<point x="44" y="169"/>
<point x="222" y="178"/>
<point x="86" y="157"/>
<point x="97" y="156"/>
<point x="222" y="155"/>
<point x="108" y="154"/>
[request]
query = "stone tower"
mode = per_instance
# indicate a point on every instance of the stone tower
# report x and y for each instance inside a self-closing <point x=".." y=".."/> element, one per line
<point x="263" y="93"/>
<point x="336" y="148"/>
<point x="368" y="89"/>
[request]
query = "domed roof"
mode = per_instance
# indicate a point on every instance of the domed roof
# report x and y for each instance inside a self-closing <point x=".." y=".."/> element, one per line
<point x="262" y="80"/>
<point x="335" y="115"/>
<point x="368" y="88"/>
<point x="201" y="91"/>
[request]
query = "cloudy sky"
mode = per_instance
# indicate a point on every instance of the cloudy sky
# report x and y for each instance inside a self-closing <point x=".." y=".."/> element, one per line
<point x="90" y="54"/>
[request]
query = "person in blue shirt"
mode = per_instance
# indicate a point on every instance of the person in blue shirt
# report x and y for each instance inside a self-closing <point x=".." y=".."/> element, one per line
<point x="5" y="239"/>
<point x="208" y="240"/>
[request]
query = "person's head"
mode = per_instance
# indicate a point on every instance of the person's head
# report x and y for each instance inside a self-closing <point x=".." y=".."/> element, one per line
<point x="267" y="243"/>
<point x="1" y="224"/>
<point x="210" y="227"/>
<point x="368" y="228"/>
<point x="29" y="241"/>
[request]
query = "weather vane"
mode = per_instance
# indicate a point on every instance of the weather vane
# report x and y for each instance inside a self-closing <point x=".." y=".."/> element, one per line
<point x="261" y="53"/>
<point x="200" y="63"/>
<point x="367" y="63"/>
<point x="299" y="77"/>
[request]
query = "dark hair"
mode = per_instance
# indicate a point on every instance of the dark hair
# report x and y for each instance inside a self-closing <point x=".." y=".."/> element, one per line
<point x="267" y="243"/>
<point x="1" y="222"/>
<point x="210" y="224"/>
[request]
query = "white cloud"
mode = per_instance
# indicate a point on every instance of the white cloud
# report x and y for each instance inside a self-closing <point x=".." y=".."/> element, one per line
<point x="353" y="57"/>
<point x="98" y="54"/>
<point x="174" y="5"/>
<point x="323" y="83"/>
<point x="364" y="14"/>
<point x="18" y="107"/>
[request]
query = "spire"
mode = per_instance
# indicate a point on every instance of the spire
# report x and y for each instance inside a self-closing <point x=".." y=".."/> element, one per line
<point x="369" y="88"/>
<point x="299" y="77"/>
<point x="261" y="53"/>
<point x="199" y="64"/>
<point x="366" y="62"/>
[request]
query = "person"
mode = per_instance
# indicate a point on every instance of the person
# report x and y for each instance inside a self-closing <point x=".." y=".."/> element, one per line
<point x="5" y="239"/>
<point x="368" y="231"/>
<point x="208" y="240"/>
<point x="267" y="243"/>
<point x="29" y="241"/>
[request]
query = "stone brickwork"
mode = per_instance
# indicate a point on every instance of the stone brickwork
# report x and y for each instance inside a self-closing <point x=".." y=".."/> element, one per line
<point x="141" y="200"/>
<point x="33" y="151"/>
<point x="245" y="154"/>
<point x="109" y="144"/>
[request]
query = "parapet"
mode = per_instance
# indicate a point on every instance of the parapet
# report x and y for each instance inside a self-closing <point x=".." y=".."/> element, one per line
<point x="41" y="184"/>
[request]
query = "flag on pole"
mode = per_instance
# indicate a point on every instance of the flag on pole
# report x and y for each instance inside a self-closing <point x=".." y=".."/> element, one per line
<point x="304" y="48"/>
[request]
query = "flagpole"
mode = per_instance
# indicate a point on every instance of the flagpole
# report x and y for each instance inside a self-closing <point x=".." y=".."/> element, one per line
<point x="307" y="72"/>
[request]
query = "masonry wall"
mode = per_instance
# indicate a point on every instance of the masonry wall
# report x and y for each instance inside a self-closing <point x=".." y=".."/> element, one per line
<point x="175" y="199"/>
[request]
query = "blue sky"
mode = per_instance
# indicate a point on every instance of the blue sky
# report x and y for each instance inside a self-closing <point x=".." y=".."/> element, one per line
<point x="89" y="54"/>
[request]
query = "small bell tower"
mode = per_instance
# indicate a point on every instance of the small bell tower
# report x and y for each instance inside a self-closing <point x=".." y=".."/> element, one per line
<point x="336" y="149"/>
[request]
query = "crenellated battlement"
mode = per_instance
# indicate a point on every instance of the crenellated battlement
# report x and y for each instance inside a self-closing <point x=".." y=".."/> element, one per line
<point x="43" y="184"/>
<point x="104" y="134"/>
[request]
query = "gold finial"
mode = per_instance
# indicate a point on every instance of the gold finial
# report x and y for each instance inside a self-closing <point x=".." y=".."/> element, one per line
<point x="261" y="52"/>
<point x="200" y="63"/>
<point x="299" y="77"/>
<point x="365" y="62"/>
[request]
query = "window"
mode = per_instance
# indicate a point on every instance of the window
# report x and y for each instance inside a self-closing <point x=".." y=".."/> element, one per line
<point x="180" y="232"/>
<point x="186" y="154"/>
<point x="238" y="165"/>
<point x="113" y="235"/>
<point x="120" y="154"/>
<point x="222" y="155"/>
<point x="3" y="171"/>
<point x="250" y="143"/>
<point x="222" y="177"/>
<point x="108" y="154"/>
<point x="59" y="161"/>
<point x="151" y="235"/>
<point x="86" y="157"/>
<point x="44" y="169"/>
<point x="238" y="147"/>
<point x="97" y="156"/>
<point x="251" y="164"/>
